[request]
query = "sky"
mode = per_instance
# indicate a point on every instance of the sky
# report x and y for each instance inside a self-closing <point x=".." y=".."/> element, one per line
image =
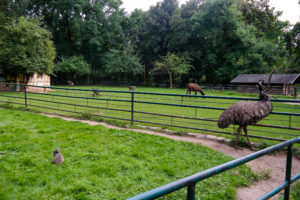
<point x="290" y="8"/>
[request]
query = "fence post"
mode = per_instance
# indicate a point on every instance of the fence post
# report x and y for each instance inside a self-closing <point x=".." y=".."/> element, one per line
<point x="288" y="173"/>
<point x="25" y="92"/>
<point x="191" y="192"/>
<point x="132" y="107"/>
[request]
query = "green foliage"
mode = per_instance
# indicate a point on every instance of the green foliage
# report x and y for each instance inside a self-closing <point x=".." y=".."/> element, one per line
<point x="87" y="28"/>
<point x="293" y="45"/>
<point x="72" y="68"/>
<point x="173" y="65"/>
<point x="295" y="191"/>
<point x="221" y="37"/>
<point x="260" y="14"/>
<point x="123" y="63"/>
<point x="94" y="156"/>
<point x="229" y="46"/>
<point x="26" y="48"/>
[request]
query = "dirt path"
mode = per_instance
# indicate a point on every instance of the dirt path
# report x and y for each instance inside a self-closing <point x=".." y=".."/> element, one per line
<point x="274" y="164"/>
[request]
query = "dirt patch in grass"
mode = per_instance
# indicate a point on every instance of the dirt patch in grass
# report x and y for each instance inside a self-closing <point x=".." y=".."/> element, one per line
<point x="273" y="166"/>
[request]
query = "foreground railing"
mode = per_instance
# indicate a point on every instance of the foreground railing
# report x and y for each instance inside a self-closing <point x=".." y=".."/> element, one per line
<point x="190" y="181"/>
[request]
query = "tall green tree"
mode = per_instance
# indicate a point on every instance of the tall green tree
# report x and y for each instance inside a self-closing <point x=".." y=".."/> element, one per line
<point x="123" y="64"/>
<point x="172" y="65"/>
<point x="260" y="14"/>
<point x="25" y="48"/>
<point x="156" y="31"/>
<point x="229" y="46"/>
<point x="88" y="28"/>
<point x="72" y="68"/>
<point x="293" y="45"/>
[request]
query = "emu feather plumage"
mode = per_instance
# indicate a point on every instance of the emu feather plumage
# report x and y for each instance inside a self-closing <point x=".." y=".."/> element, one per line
<point x="245" y="113"/>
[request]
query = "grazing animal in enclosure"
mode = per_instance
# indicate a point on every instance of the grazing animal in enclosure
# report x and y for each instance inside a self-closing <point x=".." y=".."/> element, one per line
<point x="96" y="92"/>
<point x="131" y="88"/>
<point x="58" y="157"/>
<point x="70" y="83"/>
<point x="245" y="113"/>
<point x="193" y="87"/>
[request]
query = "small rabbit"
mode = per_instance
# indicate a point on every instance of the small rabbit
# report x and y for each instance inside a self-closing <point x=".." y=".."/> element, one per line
<point x="58" y="157"/>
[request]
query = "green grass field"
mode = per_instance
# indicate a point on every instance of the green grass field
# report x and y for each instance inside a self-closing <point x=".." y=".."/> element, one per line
<point x="101" y="113"/>
<point x="101" y="163"/>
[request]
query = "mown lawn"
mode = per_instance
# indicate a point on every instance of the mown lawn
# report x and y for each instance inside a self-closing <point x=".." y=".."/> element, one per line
<point x="100" y="163"/>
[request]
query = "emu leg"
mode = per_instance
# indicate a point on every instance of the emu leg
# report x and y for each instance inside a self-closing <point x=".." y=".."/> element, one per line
<point x="237" y="136"/>
<point x="245" y="130"/>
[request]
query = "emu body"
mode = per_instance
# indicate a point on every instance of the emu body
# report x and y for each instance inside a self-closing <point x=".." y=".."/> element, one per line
<point x="193" y="87"/>
<point x="245" y="113"/>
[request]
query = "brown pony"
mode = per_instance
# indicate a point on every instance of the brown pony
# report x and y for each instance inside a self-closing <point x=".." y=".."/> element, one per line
<point x="193" y="87"/>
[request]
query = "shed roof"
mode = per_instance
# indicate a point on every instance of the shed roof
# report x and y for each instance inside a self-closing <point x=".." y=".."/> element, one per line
<point x="276" y="78"/>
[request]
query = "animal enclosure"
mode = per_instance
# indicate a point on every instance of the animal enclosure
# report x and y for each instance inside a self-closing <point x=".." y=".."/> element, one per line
<point x="179" y="113"/>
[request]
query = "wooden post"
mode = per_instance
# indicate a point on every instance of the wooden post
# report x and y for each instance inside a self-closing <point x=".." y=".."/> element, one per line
<point x="144" y="75"/>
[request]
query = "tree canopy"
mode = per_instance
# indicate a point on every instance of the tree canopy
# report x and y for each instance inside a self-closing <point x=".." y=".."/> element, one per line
<point x="172" y="65"/>
<point x="221" y="38"/>
<point x="26" y="48"/>
<point x="72" y="68"/>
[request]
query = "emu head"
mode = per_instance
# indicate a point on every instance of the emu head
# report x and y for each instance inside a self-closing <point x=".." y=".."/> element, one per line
<point x="262" y="95"/>
<point x="260" y="86"/>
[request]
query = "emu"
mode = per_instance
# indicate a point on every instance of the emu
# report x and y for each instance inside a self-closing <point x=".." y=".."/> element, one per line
<point x="193" y="87"/>
<point x="70" y="83"/>
<point x="245" y="113"/>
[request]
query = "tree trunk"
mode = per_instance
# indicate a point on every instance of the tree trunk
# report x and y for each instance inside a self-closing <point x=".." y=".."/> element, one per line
<point x="171" y="80"/>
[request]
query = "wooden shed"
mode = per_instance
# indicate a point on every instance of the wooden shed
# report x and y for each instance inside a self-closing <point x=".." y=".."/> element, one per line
<point x="36" y="80"/>
<point x="282" y="84"/>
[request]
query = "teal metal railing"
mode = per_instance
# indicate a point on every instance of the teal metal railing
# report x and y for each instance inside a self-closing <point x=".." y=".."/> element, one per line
<point x="191" y="181"/>
<point x="76" y="100"/>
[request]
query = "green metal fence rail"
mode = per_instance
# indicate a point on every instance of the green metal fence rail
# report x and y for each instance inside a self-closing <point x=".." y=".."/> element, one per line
<point x="191" y="181"/>
<point x="74" y="100"/>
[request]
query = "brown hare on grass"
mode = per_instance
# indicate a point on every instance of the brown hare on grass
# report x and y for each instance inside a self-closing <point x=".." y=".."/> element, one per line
<point x="58" y="157"/>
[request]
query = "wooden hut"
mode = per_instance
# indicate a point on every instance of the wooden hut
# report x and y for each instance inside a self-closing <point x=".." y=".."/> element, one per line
<point x="282" y="84"/>
<point x="36" y="80"/>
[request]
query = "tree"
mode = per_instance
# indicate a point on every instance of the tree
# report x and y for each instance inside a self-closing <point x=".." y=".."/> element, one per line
<point x="260" y="14"/>
<point x="173" y="65"/>
<point x="85" y="27"/>
<point x="123" y="63"/>
<point x="72" y="68"/>
<point x="229" y="46"/>
<point x="155" y="32"/>
<point x="26" y="48"/>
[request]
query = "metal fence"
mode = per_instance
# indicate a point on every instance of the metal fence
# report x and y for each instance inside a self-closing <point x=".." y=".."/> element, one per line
<point x="190" y="181"/>
<point x="179" y="111"/>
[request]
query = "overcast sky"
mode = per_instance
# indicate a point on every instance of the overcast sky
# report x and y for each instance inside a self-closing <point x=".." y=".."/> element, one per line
<point x="290" y="8"/>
